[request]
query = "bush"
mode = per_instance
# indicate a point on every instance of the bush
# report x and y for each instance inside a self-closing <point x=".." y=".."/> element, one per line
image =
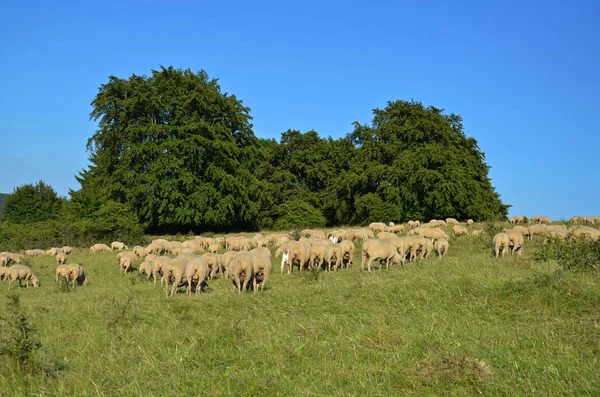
<point x="298" y="215"/>
<point x="579" y="254"/>
<point x="18" y="342"/>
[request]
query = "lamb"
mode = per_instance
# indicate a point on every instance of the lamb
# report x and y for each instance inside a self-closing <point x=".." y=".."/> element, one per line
<point x="20" y="272"/>
<point x="262" y="270"/>
<point x="460" y="230"/>
<point x="515" y="242"/>
<point x="100" y="248"/>
<point x="500" y="242"/>
<point x="441" y="247"/>
<point x="382" y="250"/>
<point x="241" y="271"/>
<point x="61" y="258"/>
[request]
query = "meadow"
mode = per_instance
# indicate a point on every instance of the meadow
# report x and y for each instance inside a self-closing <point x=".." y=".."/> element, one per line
<point x="468" y="324"/>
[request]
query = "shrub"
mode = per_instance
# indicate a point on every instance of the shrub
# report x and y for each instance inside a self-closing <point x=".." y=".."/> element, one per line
<point x="577" y="254"/>
<point x="297" y="215"/>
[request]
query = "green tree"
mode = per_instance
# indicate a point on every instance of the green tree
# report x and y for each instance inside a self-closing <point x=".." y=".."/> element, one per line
<point x="420" y="164"/>
<point x="31" y="203"/>
<point x="173" y="149"/>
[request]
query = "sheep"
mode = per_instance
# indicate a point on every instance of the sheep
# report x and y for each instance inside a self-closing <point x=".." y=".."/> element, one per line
<point x="3" y="273"/>
<point x="196" y="271"/>
<point x="261" y="250"/>
<point x="413" y="245"/>
<point x="544" y="219"/>
<point x="20" y="272"/>
<point x="434" y="234"/>
<point x="140" y="251"/>
<point x="460" y="230"/>
<point x="53" y="251"/>
<point x="72" y="272"/>
<point x="312" y="232"/>
<point x="61" y="258"/>
<point x="213" y="261"/>
<point x="117" y="245"/>
<point x="213" y="248"/>
<point x="35" y="252"/>
<point x="100" y="248"/>
<point x="241" y="271"/>
<point x="535" y="230"/>
<point x="174" y="271"/>
<point x="396" y="229"/>
<point x="67" y="250"/>
<point x="157" y="268"/>
<point x="317" y="253"/>
<point x="558" y="231"/>
<point x="261" y="268"/>
<point x="12" y="257"/>
<point x="377" y="226"/>
<point x="593" y="234"/>
<point x="386" y="235"/>
<point x="515" y="242"/>
<point x="427" y="249"/>
<point x="478" y="232"/>
<point x="146" y="269"/>
<point x="283" y="251"/>
<point x="226" y="259"/>
<point x="348" y="248"/>
<point x="469" y="222"/>
<point x="451" y="221"/>
<point x="525" y="232"/>
<point x="4" y="260"/>
<point x="500" y="243"/>
<point x="300" y="253"/>
<point x="380" y="249"/>
<point x="441" y="247"/>
<point x="333" y="256"/>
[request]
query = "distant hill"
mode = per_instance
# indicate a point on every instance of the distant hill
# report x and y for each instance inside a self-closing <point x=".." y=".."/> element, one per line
<point x="3" y="197"/>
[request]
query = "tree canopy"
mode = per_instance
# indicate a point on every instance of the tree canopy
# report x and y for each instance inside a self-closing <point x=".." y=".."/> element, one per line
<point x="176" y="150"/>
<point x="181" y="155"/>
<point x="31" y="203"/>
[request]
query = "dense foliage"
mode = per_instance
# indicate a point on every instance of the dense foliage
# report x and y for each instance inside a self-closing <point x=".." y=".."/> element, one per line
<point x="174" y="154"/>
<point x="31" y="203"/>
<point x="2" y="200"/>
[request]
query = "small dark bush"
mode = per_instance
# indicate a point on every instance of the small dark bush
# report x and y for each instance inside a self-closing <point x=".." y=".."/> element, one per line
<point x="573" y="254"/>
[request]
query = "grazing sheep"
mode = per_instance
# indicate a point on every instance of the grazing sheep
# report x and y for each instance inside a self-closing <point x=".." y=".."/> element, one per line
<point x="174" y="271"/>
<point x="3" y="273"/>
<point x="35" y="252"/>
<point x="213" y="247"/>
<point x="535" y="230"/>
<point x="525" y="232"/>
<point x="117" y="245"/>
<point x="413" y="245"/>
<point x="262" y="270"/>
<point x="157" y="268"/>
<point x="434" y="234"/>
<point x="592" y="233"/>
<point x="451" y="221"/>
<point x="500" y="242"/>
<point x="12" y="257"/>
<point x="544" y="219"/>
<point x="146" y="269"/>
<point x="386" y="235"/>
<point x="478" y="232"/>
<point x="379" y="249"/>
<point x="53" y="251"/>
<point x="460" y="230"/>
<point x="299" y="253"/>
<point x="61" y="258"/>
<point x="469" y="222"/>
<point x="20" y="272"/>
<point x="333" y="256"/>
<point x="427" y="249"/>
<point x="72" y="272"/>
<point x="515" y="242"/>
<point x="140" y="251"/>
<point x="261" y="250"/>
<point x="348" y="248"/>
<point x="558" y="231"/>
<point x="317" y="253"/>
<point x="313" y="233"/>
<point x="196" y="271"/>
<point x="4" y="259"/>
<point x="67" y="250"/>
<point x="377" y="226"/>
<point x="213" y="261"/>
<point x="100" y="248"/>
<point x="441" y="247"/>
<point x="241" y="271"/>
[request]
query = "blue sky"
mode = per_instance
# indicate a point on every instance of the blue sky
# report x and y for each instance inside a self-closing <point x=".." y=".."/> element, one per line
<point x="523" y="75"/>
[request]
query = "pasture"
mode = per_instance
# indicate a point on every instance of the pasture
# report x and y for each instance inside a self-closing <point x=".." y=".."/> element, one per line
<point x="468" y="324"/>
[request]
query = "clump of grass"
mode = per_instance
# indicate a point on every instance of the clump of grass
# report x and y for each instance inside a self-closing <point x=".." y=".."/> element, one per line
<point x="18" y="339"/>
<point x="64" y="285"/>
<point x="452" y="368"/>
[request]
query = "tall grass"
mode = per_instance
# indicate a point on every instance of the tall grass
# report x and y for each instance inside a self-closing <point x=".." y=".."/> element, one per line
<point x="469" y="324"/>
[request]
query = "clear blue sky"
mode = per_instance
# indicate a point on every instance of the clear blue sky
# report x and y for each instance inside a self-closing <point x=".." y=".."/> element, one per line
<point x="524" y="76"/>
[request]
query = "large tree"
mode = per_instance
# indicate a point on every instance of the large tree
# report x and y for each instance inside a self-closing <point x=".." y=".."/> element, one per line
<point x="31" y="203"/>
<point x="415" y="162"/>
<point x="175" y="149"/>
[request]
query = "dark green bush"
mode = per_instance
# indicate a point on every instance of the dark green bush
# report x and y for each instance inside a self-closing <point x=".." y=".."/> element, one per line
<point x="298" y="215"/>
<point x="573" y="254"/>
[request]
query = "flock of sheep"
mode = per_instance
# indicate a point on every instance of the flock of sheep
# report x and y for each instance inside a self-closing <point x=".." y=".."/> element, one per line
<point x="247" y="261"/>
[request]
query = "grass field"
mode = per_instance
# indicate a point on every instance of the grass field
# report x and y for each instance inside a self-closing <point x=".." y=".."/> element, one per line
<point x="468" y="324"/>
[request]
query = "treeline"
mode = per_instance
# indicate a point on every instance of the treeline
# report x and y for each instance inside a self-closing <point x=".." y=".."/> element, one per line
<point x="173" y="153"/>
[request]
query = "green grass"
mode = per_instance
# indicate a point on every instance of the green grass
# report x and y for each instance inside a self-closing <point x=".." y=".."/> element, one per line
<point x="465" y="325"/>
